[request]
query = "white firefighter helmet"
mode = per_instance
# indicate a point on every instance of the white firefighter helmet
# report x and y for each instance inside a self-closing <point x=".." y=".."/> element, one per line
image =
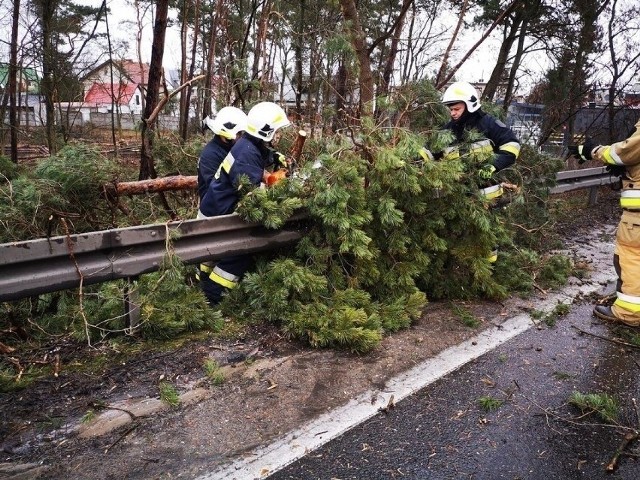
<point x="228" y="122"/>
<point x="462" y="92"/>
<point x="264" y="119"/>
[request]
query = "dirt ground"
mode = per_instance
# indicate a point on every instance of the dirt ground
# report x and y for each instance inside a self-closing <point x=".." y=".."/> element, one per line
<point x="272" y="385"/>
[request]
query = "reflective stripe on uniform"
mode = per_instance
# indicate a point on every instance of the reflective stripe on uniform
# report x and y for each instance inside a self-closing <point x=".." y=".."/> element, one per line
<point x="451" y="153"/>
<point x="628" y="302"/>
<point x="426" y="154"/>
<point x="206" y="268"/>
<point x="630" y="199"/>
<point x="610" y="156"/>
<point x="226" y="279"/>
<point x="482" y="146"/>
<point x="226" y="165"/>
<point x="511" y="147"/>
<point x="492" y="192"/>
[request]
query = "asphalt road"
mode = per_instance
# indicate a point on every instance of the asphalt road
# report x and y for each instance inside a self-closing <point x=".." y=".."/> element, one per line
<point x="445" y="431"/>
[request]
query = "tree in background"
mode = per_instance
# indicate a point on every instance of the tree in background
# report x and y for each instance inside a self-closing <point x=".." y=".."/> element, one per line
<point x="147" y="167"/>
<point x="623" y="67"/>
<point x="567" y="82"/>
<point x="60" y="39"/>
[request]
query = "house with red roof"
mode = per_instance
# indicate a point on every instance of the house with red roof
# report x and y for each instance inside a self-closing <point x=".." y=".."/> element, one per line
<point x="118" y="85"/>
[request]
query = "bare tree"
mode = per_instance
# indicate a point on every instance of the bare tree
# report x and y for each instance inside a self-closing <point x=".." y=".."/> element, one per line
<point x="13" y="74"/>
<point x="147" y="167"/>
<point x="623" y="30"/>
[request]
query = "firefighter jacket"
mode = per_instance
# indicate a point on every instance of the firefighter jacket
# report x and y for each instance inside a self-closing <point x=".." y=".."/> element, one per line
<point x="501" y="139"/>
<point x="248" y="157"/>
<point x="210" y="159"/>
<point x="625" y="154"/>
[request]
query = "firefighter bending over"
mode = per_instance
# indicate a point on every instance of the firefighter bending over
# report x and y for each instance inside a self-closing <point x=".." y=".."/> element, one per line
<point x="499" y="140"/>
<point x="249" y="158"/>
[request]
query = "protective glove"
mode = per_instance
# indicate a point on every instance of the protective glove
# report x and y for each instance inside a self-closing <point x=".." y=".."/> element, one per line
<point x="279" y="160"/>
<point x="426" y="154"/>
<point x="486" y="172"/>
<point x="582" y="152"/>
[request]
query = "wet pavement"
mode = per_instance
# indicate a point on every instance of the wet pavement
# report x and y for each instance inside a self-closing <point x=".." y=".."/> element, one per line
<point x="445" y="431"/>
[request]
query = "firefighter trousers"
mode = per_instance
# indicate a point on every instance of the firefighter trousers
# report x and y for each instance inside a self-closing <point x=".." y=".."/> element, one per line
<point x="225" y="275"/>
<point x="627" y="264"/>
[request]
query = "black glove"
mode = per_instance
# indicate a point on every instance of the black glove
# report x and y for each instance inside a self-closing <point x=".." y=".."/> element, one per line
<point x="582" y="152"/>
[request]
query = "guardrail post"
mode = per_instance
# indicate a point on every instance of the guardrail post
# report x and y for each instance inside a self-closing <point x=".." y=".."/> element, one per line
<point x="593" y="196"/>
<point x="131" y="306"/>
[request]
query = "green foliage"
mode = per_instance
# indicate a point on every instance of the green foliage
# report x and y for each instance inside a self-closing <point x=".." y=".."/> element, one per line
<point x="169" y="307"/>
<point x="528" y="214"/>
<point x="391" y="226"/>
<point x="629" y="335"/>
<point x="420" y="103"/>
<point x="8" y="169"/>
<point x="602" y="405"/>
<point x="272" y="206"/>
<point x="11" y="381"/>
<point x="67" y="185"/>
<point x="275" y="291"/>
<point x="489" y="403"/>
<point x="467" y="318"/>
<point x="562" y="375"/>
<point x="555" y="271"/>
<point x="346" y="320"/>
<point x="384" y="231"/>
<point x="519" y="269"/>
<point x="176" y="158"/>
<point x="88" y="417"/>
<point x="169" y="394"/>
<point x="79" y="171"/>
<point x="550" y="318"/>
<point x="212" y="371"/>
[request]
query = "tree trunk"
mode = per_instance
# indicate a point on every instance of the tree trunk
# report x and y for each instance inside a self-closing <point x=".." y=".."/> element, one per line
<point x="444" y="66"/>
<point x="48" y="12"/>
<point x="515" y="65"/>
<point x="497" y="75"/>
<point x="391" y="58"/>
<point x="13" y="74"/>
<point x="184" y="108"/>
<point x="147" y="167"/>
<point x="339" y="119"/>
<point x="211" y="55"/>
<point x="298" y="48"/>
<point x="192" y="69"/>
<point x="356" y="32"/>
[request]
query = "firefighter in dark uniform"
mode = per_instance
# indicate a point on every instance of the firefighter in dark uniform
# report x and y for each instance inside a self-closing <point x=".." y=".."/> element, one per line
<point x="499" y="140"/>
<point x="249" y="157"/>
<point x="226" y="126"/>
<point x="623" y="155"/>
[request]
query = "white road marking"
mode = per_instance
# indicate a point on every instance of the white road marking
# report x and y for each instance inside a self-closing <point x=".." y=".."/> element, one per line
<point x="267" y="460"/>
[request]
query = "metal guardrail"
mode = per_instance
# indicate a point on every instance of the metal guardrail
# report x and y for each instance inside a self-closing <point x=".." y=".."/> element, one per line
<point x="569" y="180"/>
<point x="47" y="265"/>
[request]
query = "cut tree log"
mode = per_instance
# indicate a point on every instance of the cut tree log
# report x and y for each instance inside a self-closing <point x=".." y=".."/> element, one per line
<point x="179" y="182"/>
<point x="153" y="185"/>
